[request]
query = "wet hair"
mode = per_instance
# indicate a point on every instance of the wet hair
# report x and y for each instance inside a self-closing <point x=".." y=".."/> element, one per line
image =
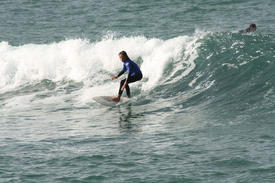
<point x="252" y="26"/>
<point x="124" y="54"/>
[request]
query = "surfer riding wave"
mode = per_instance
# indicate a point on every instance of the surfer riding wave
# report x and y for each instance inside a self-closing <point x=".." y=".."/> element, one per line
<point x="134" y="74"/>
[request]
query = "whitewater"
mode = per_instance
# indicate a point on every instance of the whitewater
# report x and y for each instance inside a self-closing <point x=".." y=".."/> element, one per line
<point x="81" y="61"/>
<point x="203" y="112"/>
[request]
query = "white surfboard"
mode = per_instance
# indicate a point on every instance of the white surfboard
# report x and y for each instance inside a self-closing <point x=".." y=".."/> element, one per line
<point x="106" y="100"/>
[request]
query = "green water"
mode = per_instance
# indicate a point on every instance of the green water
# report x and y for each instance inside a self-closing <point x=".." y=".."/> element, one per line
<point x="203" y="112"/>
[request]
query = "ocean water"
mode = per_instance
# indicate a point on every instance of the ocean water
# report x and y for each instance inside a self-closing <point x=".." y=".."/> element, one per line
<point x="204" y="111"/>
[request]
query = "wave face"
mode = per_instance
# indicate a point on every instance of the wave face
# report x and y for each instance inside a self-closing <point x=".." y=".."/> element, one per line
<point x="203" y="113"/>
<point x="219" y="71"/>
<point x="233" y="76"/>
<point x="206" y="102"/>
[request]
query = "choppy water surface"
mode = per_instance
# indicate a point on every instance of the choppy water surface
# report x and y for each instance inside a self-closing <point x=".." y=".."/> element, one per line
<point x="204" y="111"/>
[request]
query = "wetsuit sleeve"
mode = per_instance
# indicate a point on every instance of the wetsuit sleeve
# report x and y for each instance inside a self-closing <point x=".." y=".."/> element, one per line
<point x="122" y="71"/>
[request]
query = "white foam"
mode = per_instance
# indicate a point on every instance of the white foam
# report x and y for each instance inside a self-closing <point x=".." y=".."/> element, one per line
<point x="92" y="63"/>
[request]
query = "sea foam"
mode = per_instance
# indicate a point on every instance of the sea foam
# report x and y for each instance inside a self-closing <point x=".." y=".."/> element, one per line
<point x="93" y="62"/>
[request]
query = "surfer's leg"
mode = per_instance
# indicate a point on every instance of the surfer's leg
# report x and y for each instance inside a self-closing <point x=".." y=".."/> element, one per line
<point x="128" y="91"/>
<point x="121" y="84"/>
<point x="129" y="80"/>
<point x="117" y="99"/>
<point x="132" y="79"/>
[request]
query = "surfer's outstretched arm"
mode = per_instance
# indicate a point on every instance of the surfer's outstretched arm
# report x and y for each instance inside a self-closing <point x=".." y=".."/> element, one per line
<point x="120" y="73"/>
<point x="114" y="77"/>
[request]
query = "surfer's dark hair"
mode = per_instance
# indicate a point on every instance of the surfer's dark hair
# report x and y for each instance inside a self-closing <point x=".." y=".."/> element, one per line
<point x="252" y="25"/>
<point x="124" y="54"/>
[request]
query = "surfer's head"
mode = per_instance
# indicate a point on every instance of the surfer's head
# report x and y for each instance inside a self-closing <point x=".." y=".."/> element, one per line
<point x="123" y="56"/>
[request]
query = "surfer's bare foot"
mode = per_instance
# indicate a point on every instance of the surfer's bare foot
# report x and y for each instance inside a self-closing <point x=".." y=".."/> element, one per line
<point x="116" y="99"/>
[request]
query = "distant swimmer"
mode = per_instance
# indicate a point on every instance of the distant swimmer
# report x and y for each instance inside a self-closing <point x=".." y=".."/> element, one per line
<point x="251" y="28"/>
<point x="134" y="74"/>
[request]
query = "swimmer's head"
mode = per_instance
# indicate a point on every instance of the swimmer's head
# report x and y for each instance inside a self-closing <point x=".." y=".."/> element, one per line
<point x="252" y="27"/>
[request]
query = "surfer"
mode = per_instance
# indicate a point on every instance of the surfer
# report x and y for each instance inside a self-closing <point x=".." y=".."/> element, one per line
<point x="134" y="74"/>
<point x="251" y="28"/>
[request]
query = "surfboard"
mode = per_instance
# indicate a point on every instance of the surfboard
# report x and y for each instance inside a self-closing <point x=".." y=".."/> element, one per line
<point x="107" y="101"/>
